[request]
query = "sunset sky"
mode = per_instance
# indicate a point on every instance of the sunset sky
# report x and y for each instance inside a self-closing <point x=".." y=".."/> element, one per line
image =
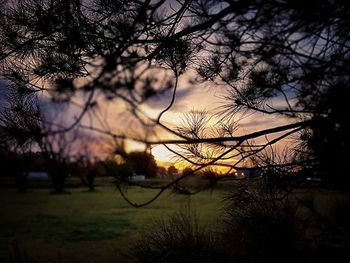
<point x="115" y="116"/>
<point x="201" y="97"/>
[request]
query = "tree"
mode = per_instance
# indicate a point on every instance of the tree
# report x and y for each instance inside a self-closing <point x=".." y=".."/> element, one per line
<point x="19" y="130"/>
<point x="57" y="150"/>
<point x="161" y="171"/>
<point x="143" y="163"/>
<point x="85" y="170"/>
<point x="172" y="170"/>
<point x="285" y="59"/>
<point x="187" y="170"/>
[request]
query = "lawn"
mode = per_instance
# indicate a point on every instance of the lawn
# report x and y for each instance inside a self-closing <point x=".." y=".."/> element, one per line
<point x="101" y="226"/>
<point x="86" y="226"/>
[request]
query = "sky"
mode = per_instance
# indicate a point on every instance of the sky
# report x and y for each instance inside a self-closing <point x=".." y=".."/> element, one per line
<point x="189" y="96"/>
<point x="115" y="117"/>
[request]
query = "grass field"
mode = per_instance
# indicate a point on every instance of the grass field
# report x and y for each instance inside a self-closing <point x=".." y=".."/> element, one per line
<point x="86" y="226"/>
<point x="100" y="226"/>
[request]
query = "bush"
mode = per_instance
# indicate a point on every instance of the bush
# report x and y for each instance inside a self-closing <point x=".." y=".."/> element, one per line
<point x="259" y="223"/>
<point x="181" y="239"/>
<point x="263" y="226"/>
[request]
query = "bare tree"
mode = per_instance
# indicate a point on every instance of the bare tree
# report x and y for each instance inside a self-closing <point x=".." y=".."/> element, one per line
<point x="57" y="150"/>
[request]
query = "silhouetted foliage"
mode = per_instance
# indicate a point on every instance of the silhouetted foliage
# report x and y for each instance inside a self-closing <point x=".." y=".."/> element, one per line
<point x="253" y="227"/>
<point x="329" y="140"/>
<point x="86" y="171"/>
<point x="17" y="165"/>
<point x="265" y="224"/>
<point x="124" y="170"/>
<point x="56" y="150"/>
<point x="161" y="171"/>
<point x="143" y="163"/>
<point x="187" y="170"/>
<point x="8" y="162"/>
<point x="180" y="239"/>
<point x="172" y="170"/>
<point x="286" y="59"/>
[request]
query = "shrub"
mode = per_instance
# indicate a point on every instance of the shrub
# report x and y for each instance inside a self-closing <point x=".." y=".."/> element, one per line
<point x="180" y="239"/>
<point x="263" y="226"/>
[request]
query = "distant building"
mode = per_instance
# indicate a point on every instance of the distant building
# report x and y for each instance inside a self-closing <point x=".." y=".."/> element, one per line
<point x="314" y="179"/>
<point x="37" y="175"/>
<point x="248" y="172"/>
<point x="138" y="177"/>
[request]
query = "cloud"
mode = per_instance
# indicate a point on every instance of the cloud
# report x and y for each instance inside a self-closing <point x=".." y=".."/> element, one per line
<point x="257" y="123"/>
<point x="162" y="100"/>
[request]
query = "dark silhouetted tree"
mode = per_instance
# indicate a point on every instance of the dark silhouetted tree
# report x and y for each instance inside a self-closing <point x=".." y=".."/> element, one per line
<point x="187" y="170"/>
<point x="284" y="62"/>
<point x="172" y="170"/>
<point x="161" y="171"/>
<point x="287" y="60"/>
<point x="143" y="163"/>
<point x="57" y="150"/>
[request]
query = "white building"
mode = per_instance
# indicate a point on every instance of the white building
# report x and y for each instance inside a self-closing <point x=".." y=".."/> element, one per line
<point x="138" y="177"/>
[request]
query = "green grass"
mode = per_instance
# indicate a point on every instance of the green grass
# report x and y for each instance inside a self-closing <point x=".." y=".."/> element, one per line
<point x="87" y="226"/>
<point x="100" y="226"/>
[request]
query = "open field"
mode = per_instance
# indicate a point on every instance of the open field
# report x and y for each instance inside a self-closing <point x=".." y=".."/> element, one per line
<point x="100" y="226"/>
<point x="86" y="226"/>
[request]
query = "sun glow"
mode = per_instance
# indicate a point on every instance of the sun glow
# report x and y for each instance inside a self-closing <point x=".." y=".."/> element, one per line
<point x="161" y="153"/>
